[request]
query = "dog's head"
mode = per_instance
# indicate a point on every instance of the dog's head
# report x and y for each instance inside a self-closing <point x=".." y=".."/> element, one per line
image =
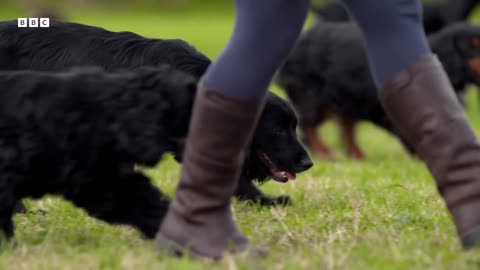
<point x="458" y="48"/>
<point x="276" y="152"/>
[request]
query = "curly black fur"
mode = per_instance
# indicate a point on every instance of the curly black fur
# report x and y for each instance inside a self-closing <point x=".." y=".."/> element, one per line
<point x="328" y="71"/>
<point x="70" y="133"/>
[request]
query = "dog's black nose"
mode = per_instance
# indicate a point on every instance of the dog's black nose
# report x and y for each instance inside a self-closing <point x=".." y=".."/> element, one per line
<point x="306" y="164"/>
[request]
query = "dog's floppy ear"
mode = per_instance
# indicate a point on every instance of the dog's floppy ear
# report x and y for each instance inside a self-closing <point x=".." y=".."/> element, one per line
<point x="467" y="44"/>
<point x="182" y="104"/>
<point x="456" y="46"/>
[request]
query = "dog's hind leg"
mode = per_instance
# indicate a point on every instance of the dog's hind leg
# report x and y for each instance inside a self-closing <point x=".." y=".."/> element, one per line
<point x="130" y="199"/>
<point x="318" y="147"/>
<point x="8" y="200"/>
<point x="247" y="191"/>
<point x="7" y="205"/>
<point x="20" y="208"/>
<point x="6" y="223"/>
<point x="347" y="129"/>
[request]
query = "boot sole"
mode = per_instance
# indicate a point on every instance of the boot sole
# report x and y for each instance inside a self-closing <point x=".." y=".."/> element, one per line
<point x="471" y="239"/>
<point x="176" y="250"/>
<point x="171" y="248"/>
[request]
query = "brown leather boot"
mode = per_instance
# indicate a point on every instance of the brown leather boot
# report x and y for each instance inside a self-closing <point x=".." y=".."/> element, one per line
<point x="199" y="219"/>
<point x="421" y="103"/>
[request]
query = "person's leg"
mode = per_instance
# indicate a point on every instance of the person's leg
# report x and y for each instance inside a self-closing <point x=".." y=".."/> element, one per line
<point x="228" y="104"/>
<point x="265" y="32"/>
<point x="393" y="34"/>
<point x="418" y="97"/>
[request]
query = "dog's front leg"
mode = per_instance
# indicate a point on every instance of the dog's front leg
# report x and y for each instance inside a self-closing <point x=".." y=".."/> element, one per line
<point x="6" y="222"/>
<point x="247" y="191"/>
<point x="129" y="199"/>
<point x="20" y="208"/>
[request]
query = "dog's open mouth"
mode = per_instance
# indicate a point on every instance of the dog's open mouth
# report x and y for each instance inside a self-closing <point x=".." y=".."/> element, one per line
<point x="277" y="174"/>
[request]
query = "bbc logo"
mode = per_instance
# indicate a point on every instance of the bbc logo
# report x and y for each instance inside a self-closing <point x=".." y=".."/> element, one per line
<point x="33" y="22"/>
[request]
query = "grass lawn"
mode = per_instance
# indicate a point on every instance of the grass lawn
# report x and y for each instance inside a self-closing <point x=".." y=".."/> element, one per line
<point x="383" y="213"/>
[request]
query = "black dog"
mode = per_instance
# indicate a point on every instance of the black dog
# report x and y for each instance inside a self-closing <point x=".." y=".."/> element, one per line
<point x="436" y="15"/>
<point x="71" y="134"/>
<point x="275" y="153"/>
<point x="327" y="73"/>
<point x="65" y="45"/>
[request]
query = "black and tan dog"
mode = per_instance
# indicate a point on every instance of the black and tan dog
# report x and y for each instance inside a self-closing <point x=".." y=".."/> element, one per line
<point x="66" y="45"/>
<point x="327" y="74"/>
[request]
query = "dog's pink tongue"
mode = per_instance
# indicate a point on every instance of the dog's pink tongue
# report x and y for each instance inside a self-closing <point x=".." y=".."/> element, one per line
<point x="277" y="173"/>
<point x="291" y="176"/>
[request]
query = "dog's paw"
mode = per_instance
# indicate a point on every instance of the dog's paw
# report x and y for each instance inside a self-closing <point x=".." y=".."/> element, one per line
<point x="283" y="200"/>
<point x="20" y="208"/>
<point x="39" y="212"/>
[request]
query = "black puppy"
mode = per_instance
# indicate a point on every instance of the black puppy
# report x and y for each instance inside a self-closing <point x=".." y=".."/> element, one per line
<point x="275" y="153"/>
<point x="327" y="73"/>
<point x="268" y="159"/>
<point x="65" y="45"/>
<point x="436" y="15"/>
<point x="71" y="133"/>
